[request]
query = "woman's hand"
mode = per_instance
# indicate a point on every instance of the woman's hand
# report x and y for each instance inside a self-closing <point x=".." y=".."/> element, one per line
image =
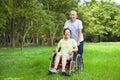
<point x="70" y="52"/>
<point x="56" y="52"/>
<point x="57" y="49"/>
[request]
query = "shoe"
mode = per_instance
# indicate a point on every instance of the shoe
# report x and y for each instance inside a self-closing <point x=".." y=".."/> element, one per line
<point x="65" y="74"/>
<point x="53" y="71"/>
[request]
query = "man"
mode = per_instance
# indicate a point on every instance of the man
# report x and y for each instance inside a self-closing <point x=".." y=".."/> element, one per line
<point x="75" y="25"/>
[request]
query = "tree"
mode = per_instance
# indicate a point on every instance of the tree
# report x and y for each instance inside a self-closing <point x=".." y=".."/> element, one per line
<point x="57" y="10"/>
<point x="98" y="18"/>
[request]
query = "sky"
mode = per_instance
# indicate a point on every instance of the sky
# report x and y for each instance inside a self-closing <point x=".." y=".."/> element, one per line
<point x="117" y="1"/>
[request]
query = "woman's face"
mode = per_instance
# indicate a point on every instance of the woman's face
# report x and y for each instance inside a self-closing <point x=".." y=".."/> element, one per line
<point x="72" y="16"/>
<point x="67" y="34"/>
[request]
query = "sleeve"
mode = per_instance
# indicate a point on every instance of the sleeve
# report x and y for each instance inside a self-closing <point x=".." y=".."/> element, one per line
<point x="59" y="43"/>
<point x="74" y="43"/>
<point x="80" y="26"/>
<point x="65" y="26"/>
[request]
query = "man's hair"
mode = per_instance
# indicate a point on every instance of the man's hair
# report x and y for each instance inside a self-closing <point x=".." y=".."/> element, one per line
<point x="66" y="29"/>
<point x="74" y="12"/>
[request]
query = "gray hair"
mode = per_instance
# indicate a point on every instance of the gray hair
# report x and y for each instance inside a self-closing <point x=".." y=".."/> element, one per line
<point x="74" y="12"/>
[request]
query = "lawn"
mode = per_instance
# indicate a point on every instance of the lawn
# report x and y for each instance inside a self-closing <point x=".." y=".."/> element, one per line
<point x="101" y="62"/>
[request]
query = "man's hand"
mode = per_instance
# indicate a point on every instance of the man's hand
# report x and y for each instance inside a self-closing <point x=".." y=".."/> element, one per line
<point x="78" y="43"/>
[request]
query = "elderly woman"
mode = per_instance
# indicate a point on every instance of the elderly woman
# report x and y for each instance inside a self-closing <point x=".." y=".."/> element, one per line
<point x="67" y="46"/>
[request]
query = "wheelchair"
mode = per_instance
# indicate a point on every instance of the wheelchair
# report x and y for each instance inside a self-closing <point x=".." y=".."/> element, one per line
<point x="79" y="62"/>
<point x="73" y="65"/>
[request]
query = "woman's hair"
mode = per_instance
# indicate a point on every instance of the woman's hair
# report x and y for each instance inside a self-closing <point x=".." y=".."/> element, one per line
<point x="66" y="29"/>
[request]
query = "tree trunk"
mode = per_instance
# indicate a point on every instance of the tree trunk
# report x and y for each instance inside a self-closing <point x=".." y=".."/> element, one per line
<point x="12" y="32"/>
<point x="51" y="39"/>
<point x="52" y="36"/>
<point x="37" y="39"/>
<point x="24" y="36"/>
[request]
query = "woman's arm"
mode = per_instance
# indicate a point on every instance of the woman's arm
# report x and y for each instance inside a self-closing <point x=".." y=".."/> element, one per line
<point x="57" y="49"/>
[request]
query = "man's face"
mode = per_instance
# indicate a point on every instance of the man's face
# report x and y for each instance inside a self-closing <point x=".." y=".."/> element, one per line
<point x="72" y="16"/>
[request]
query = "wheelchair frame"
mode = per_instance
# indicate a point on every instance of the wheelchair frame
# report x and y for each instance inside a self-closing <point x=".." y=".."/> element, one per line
<point x="73" y="65"/>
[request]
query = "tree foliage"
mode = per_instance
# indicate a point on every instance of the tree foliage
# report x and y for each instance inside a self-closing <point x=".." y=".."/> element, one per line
<point x="99" y="20"/>
<point x="40" y="22"/>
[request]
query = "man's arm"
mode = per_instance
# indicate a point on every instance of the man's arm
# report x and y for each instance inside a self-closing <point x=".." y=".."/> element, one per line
<point x="79" y="36"/>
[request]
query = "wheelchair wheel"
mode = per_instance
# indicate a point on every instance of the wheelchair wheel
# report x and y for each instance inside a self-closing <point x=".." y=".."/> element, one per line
<point x="79" y="63"/>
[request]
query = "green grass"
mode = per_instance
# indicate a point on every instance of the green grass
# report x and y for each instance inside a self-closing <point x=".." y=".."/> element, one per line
<point x="101" y="62"/>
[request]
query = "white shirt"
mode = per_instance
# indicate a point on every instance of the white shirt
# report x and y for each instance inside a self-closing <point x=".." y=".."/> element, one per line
<point x="74" y="26"/>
